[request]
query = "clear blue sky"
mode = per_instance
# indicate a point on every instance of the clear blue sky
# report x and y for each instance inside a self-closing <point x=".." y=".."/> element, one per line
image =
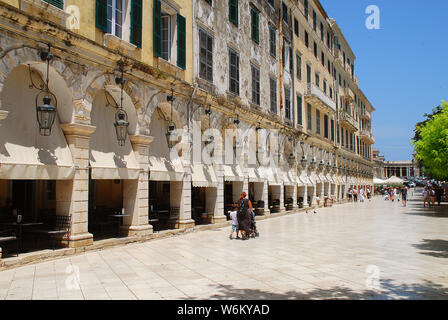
<point x="402" y="68"/>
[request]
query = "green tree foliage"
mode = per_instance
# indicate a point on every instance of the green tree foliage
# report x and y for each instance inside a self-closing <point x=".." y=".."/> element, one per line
<point x="431" y="145"/>
<point x="428" y="117"/>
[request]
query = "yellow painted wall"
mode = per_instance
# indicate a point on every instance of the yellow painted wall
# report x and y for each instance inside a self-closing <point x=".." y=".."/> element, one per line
<point x="14" y="3"/>
<point x="145" y="54"/>
<point x="86" y="17"/>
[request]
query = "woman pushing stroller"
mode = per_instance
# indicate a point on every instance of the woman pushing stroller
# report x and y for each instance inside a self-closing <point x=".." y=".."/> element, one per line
<point x="245" y="210"/>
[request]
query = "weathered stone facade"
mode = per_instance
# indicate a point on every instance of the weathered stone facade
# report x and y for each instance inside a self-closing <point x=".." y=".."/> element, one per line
<point x="82" y="74"/>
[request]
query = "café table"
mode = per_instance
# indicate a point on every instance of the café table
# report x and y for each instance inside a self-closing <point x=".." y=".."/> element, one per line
<point x="119" y="220"/>
<point x="19" y="227"/>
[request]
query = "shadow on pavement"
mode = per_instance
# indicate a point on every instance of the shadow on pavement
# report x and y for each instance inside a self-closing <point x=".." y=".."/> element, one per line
<point x="415" y="207"/>
<point x="434" y="248"/>
<point x="389" y="290"/>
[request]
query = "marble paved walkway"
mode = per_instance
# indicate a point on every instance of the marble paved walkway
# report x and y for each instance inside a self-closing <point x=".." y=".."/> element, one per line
<point x="371" y="250"/>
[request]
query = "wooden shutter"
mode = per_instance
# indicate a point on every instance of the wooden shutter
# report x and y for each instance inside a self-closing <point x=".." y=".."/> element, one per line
<point x="233" y="11"/>
<point x="136" y="23"/>
<point x="57" y="3"/>
<point x="181" y="41"/>
<point x="254" y="21"/>
<point x="157" y="32"/>
<point x="101" y="15"/>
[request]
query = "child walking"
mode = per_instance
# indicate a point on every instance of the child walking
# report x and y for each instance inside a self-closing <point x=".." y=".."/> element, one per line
<point x="233" y="215"/>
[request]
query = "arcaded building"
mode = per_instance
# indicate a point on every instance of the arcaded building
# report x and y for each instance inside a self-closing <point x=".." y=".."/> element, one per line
<point x="161" y="112"/>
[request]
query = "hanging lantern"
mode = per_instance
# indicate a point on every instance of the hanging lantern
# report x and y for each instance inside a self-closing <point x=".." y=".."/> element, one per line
<point x="210" y="139"/>
<point x="303" y="162"/>
<point x="171" y="137"/>
<point x="291" y="159"/>
<point x="121" y="123"/>
<point x="121" y="126"/>
<point x="45" y="112"/>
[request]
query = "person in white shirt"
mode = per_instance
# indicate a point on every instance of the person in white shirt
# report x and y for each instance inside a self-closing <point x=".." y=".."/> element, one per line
<point x="233" y="215"/>
<point x="396" y="195"/>
<point x="361" y="195"/>
<point x="426" y="198"/>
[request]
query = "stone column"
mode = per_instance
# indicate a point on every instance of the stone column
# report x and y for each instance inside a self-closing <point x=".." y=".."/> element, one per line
<point x="135" y="192"/>
<point x="305" y="196"/>
<point x="282" y="198"/>
<point x="294" y="196"/>
<point x="182" y="191"/>
<point x="72" y="196"/>
<point x="218" y="213"/>
<point x="265" y="198"/>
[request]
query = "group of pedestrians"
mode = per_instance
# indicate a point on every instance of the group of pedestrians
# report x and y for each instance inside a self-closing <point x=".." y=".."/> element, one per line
<point x="431" y="194"/>
<point x="243" y="219"/>
<point x="355" y="195"/>
<point x="394" y="194"/>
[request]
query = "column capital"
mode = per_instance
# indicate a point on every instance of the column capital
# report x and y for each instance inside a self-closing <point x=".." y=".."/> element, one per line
<point x="140" y="139"/>
<point x="77" y="129"/>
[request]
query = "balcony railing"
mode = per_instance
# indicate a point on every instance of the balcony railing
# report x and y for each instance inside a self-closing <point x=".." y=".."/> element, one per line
<point x="316" y="95"/>
<point x="349" y="95"/>
<point x="367" y="134"/>
<point x="344" y="117"/>
<point x="365" y="114"/>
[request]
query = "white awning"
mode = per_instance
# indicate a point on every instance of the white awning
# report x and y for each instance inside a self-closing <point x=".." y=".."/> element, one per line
<point x="320" y="178"/>
<point x="161" y="169"/>
<point x="288" y="178"/>
<point x="203" y="176"/>
<point x="323" y="178"/>
<point x="233" y="173"/>
<point x="272" y="176"/>
<point x="255" y="175"/>
<point x="312" y="179"/>
<point x="24" y="154"/>
<point x="331" y="179"/>
<point x="300" y="182"/>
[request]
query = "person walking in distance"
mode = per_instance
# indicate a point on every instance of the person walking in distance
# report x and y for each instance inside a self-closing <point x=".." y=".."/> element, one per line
<point x="361" y="195"/>
<point x="404" y="195"/>
<point x="426" y="198"/>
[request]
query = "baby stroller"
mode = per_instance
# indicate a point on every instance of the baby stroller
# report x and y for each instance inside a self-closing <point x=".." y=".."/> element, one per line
<point x="253" y="232"/>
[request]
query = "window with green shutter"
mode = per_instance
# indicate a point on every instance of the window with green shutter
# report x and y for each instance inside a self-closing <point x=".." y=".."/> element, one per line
<point x="57" y="3"/>
<point x="299" y="110"/>
<point x="101" y="15"/>
<point x="136" y="23"/>
<point x="157" y="28"/>
<point x="181" y="57"/>
<point x="254" y="25"/>
<point x="299" y="67"/>
<point x="332" y="129"/>
<point x="291" y="61"/>
<point x="233" y="11"/>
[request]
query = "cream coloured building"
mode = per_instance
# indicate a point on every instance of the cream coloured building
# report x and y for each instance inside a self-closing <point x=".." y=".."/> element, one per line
<point x="191" y="70"/>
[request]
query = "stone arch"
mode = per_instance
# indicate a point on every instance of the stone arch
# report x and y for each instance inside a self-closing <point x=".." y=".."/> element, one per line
<point x="105" y="80"/>
<point x="164" y="109"/>
<point x="60" y="73"/>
